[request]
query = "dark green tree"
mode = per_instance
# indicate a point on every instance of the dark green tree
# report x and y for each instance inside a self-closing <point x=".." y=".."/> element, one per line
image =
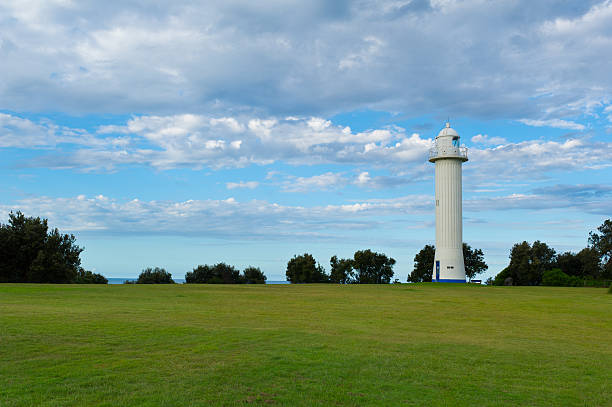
<point x="602" y="242"/>
<point x="305" y="269"/>
<point x="528" y="263"/>
<point x="570" y="264"/>
<point x="220" y="273"/>
<point x="341" y="270"/>
<point x="372" y="267"/>
<point x="253" y="275"/>
<point x="29" y="252"/>
<point x="423" y="265"/>
<point x="590" y="263"/>
<point x="201" y="274"/>
<point x="155" y="275"/>
<point x="474" y="261"/>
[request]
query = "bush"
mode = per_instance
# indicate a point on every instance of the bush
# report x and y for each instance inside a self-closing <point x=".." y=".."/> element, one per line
<point x="155" y="276"/>
<point x="556" y="277"/>
<point x="87" y="277"/>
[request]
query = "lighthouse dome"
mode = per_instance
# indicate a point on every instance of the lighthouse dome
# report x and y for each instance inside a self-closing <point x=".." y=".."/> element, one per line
<point x="448" y="131"/>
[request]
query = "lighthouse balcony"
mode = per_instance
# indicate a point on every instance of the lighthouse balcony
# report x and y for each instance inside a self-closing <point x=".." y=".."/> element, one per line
<point x="439" y="152"/>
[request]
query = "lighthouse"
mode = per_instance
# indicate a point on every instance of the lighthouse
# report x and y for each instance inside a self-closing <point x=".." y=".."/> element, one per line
<point x="448" y="155"/>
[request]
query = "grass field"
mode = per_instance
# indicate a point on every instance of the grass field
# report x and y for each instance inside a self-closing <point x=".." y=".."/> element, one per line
<point x="185" y="345"/>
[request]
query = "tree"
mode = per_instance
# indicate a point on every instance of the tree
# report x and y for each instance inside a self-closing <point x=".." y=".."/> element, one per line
<point x="474" y="261"/>
<point x="341" y="270"/>
<point x="585" y="263"/>
<point x="220" y="273"/>
<point x="590" y="263"/>
<point x="372" y="267"/>
<point x="602" y="242"/>
<point x="528" y="263"/>
<point x="423" y="265"/>
<point x="29" y="252"/>
<point x="155" y="275"/>
<point x="305" y="269"/>
<point x="253" y="275"/>
<point x="570" y="264"/>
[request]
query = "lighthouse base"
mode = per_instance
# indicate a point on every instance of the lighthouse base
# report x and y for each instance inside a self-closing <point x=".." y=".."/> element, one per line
<point x="448" y="266"/>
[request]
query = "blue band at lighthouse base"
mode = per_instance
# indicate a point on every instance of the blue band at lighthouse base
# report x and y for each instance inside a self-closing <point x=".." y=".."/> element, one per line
<point x="445" y="280"/>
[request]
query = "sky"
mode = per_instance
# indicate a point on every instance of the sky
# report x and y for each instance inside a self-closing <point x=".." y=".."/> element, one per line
<point x="173" y="134"/>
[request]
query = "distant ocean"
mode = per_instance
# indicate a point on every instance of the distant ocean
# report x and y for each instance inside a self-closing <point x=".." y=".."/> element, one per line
<point x="120" y="280"/>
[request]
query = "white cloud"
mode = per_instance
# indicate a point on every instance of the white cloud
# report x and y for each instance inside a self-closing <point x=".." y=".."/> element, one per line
<point x="556" y="123"/>
<point x="23" y="133"/>
<point x="536" y="158"/>
<point x="195" y="141"/>
<point x="242" y="184"/>
<point x="321" y="182"/>
<point x="485" y="139"/>
<point x="519" y="59"/>
<point x="256" y="218"/>
<point x="191" y="141"/>
<point x="213" y="218"/>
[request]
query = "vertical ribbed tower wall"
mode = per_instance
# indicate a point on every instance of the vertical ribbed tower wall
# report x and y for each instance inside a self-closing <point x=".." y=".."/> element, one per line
<point x="448" y="157"/>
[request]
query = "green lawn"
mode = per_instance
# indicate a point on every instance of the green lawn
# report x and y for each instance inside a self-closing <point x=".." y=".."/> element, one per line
<point x="185" y="345"/>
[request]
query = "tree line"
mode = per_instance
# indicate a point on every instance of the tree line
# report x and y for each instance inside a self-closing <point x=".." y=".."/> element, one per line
<point x="31" y="252"/>
<point x="540" y="264"/>
<point x="219" y="273"/>
<point x="365" y="267"/>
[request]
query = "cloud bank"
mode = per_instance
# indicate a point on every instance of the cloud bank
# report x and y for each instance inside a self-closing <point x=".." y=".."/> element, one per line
<point x="544" y="62"/>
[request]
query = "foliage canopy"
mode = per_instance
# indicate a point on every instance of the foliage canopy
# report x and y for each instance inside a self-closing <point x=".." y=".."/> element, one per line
<point x="30" y="252"/>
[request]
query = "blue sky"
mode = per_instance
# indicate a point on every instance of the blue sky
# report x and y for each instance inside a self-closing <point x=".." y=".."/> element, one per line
<point x="191" y="133"/>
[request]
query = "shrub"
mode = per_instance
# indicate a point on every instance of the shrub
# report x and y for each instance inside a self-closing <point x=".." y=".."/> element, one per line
<point x="155" y="275"/>
<point x="556" y="277"/>
<point x="87" y="277"/>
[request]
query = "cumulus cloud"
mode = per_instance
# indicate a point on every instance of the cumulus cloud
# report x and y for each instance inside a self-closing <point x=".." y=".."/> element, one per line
<point x="196" y="141"/>
<point x="199" y="141"/>
<point x="518" y="60"/>
<point x="536" y="158"/>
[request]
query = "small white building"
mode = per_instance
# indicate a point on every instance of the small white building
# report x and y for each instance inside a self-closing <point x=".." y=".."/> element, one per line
<point x="448" y="156"/>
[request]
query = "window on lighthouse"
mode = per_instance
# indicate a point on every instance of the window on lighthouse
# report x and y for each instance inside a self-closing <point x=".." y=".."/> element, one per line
<point x="456" y="141"/>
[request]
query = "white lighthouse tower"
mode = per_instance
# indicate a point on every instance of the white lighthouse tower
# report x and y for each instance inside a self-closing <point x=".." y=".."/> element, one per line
<point x="448" y="156"/>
